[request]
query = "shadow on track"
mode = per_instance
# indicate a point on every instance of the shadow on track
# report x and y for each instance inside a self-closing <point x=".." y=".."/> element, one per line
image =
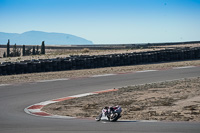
<point x="127" y="121"/>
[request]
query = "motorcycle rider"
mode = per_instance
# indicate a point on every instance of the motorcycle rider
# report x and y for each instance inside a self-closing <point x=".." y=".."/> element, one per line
<point x="105" y="111"/>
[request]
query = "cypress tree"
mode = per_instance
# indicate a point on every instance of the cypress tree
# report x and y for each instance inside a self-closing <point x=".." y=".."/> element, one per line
<point x="43" y="48"/>
<point x="15" y="50"/>
<point x="33" y="52"/>
<point x="8" y="48"/>
<point x="37" y="50"/>
<point x="24" y="50"/>
<point x="4" y="54"/>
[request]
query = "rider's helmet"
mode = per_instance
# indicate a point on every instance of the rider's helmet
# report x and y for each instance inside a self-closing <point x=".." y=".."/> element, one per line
<point x="106" y="107"/>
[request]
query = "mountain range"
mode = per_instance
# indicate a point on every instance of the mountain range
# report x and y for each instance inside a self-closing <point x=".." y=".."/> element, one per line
<point x="36" y="38"/>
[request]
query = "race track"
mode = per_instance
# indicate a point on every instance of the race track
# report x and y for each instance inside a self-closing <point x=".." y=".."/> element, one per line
<point x="14" y="98"/>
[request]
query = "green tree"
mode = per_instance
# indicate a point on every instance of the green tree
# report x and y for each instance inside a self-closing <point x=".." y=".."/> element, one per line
<point x="28" y="51"/>
<point x="4" y="54"/>
<point x="43" y="48"/>
<point x="33" y="52"/>
<point x="37" y="50"/>
<point x="15" y="50"/>
<point x="8" y="48"/>
<point x="24" y="50"/>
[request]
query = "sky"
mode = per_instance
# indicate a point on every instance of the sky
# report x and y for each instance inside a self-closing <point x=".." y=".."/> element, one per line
<point x="106" y="21"/>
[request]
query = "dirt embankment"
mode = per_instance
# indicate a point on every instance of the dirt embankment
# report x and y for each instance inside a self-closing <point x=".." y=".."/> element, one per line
<point x="167" y="101"/>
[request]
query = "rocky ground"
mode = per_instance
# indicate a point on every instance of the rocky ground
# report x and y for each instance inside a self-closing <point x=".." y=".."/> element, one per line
<point x="166" y="101"/>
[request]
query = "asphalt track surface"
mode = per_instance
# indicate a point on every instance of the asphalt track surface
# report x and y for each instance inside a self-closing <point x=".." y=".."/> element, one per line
<point x="14" y="98"/>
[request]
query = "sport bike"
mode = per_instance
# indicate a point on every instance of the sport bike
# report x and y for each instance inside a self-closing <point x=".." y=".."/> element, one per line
<point x="112" y="113"/>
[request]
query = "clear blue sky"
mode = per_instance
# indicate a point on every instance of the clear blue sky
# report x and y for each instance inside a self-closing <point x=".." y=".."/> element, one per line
<point x="106" y="21"/>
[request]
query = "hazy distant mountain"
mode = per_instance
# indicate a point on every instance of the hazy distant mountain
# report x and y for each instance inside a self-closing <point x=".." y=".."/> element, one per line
<point x="36" y="38"/>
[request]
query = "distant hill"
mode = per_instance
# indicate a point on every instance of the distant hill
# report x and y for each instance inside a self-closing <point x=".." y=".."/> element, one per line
<point x="36" y="38"/>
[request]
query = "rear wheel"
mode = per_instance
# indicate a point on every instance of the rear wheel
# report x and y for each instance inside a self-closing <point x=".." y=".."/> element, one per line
<point x="98" y="118"/>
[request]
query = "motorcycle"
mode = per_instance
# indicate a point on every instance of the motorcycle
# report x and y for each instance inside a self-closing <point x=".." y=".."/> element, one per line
<point x="113" y="113"/>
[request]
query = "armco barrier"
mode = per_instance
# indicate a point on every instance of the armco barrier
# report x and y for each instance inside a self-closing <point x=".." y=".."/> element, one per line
<point x="85" y="62"/>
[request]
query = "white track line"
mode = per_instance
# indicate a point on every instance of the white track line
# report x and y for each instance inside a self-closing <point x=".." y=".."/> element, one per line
<point x="82" y="95"/>
<point x="34" y="110"/>
<point x="4" y="84"/>
<point x="184" y="67"/>
<point x="46" y="103"/>
<point x="103" y="75"/>
<point x="59" y="116"/>
<point x="52" y="80"/>
<point x="146" y="71"/>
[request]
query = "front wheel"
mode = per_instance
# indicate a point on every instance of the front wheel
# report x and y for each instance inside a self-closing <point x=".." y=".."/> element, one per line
<point x="114" y="117"/>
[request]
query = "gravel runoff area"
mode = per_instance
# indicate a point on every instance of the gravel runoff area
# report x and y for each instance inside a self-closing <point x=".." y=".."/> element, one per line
<point x="177" y="100"/>
<point x="33" y="77"/>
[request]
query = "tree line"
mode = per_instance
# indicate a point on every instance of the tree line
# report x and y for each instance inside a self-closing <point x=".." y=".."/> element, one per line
<point x="25" y="51"/>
